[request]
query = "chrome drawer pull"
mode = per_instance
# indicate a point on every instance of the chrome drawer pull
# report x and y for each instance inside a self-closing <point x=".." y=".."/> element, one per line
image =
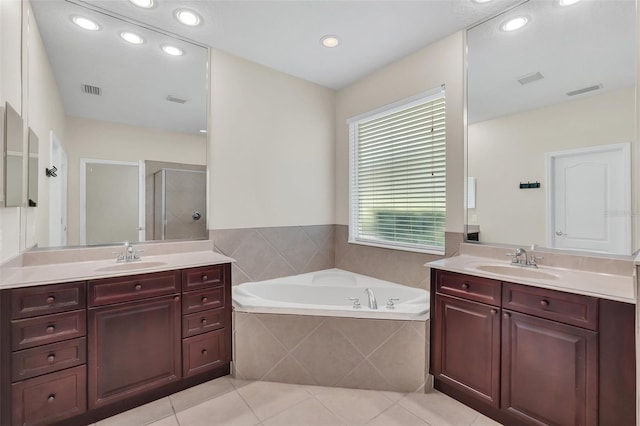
<point x="204" y="352"/>
<point x="204" y="278"/>
<point x="203" y="321"/>
<point x="138" y="287"/>
<point x="204" y="300"/>
<point x="544" y="303"/>
<point x="51" y="299"/>
<point x="51" y="397"/>
<point x="51" y="358"/>
<point x="50" y="329"/>
<point x="465" y="286"/>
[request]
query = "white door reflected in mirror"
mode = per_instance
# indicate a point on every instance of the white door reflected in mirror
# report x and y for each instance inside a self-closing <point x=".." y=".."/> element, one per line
<point x="589" y="199"/>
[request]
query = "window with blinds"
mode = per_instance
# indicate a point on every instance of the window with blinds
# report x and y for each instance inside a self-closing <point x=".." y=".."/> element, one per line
<point x="397" y="175"/>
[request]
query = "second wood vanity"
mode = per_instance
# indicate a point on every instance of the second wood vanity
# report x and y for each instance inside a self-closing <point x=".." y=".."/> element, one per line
<point x="527" y="355"/>
<point x="81" y="351"/>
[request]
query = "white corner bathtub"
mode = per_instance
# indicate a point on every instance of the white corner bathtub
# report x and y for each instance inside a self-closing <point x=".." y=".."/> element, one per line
<point x="328" y="293"/>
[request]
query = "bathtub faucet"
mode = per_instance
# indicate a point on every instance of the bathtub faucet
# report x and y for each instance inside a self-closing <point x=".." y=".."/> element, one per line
<point x="372" y="298"/>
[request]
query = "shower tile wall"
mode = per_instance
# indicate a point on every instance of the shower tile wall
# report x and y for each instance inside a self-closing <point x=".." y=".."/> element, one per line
<point x="265" y="253"/>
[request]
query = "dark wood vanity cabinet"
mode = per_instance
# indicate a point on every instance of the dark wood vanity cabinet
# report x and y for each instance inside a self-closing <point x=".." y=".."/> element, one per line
<point x="532" y="356"/>
<point x="75" y="353"/>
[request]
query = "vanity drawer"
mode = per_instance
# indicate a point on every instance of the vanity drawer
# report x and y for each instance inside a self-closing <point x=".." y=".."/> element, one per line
<point x="27" y="333"/>
<point x="47" y="299"/>
<point x="197" y="301"/>
<point x="47" y="359"/>
<point x="206" y="276"/>
<point x="574" y="309"/>
<point x="204" y="352"/>
<point x="125" y="289"/>
<point x="202" y="322"/>
<point x="50" y="398"/>
<point x="483" y="290"/>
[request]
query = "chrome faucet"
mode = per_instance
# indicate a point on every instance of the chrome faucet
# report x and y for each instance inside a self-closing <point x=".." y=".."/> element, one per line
<point x="130" y="254"/>
<point x="520" y="258"/>
<point x="373" y="304"/>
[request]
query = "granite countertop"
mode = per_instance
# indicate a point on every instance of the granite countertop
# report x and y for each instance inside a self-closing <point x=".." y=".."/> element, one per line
<point x="596" y="284"/>
<point x="51" y="273"/>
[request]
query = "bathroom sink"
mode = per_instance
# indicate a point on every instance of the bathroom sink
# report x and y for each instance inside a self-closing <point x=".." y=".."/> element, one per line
<point x="516" y="271"/>
<point x="130" y="266"/>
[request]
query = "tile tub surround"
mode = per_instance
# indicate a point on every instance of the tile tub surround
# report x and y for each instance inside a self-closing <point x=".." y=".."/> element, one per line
<point x="398" y="266"/>
<point x="266" y="253"/>
<point x="238" y="402"/>
<point x="356" y="353"/>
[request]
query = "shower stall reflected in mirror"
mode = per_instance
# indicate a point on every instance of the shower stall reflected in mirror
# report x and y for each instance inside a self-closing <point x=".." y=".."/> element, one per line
<point x="179" y="204"/>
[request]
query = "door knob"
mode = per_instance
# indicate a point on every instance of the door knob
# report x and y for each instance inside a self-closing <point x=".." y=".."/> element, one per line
<point x="559" y="233"/>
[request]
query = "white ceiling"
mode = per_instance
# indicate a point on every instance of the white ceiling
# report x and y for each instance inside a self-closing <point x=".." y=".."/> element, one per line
<point x="285" y="35"/>
<point x="589" y="43"/>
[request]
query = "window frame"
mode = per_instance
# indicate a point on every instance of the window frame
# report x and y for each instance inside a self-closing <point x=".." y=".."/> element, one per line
<point x="353" y="122"/>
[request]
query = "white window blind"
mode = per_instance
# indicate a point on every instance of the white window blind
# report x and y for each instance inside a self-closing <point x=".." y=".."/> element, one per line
<point x="397" y="179"/>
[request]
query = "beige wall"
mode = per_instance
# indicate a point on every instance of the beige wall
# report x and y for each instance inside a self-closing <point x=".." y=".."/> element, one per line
<point x="518" y="143"/>
<point x="436" y="64"/>
<point x="272" y="152"/>
<point x="10" y="91"/>
<point x="45" y="114"/>
<point x="110" y="141"/>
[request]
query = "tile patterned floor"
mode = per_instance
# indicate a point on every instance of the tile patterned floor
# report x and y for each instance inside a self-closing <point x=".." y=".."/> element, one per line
<point x="227" y="401"/>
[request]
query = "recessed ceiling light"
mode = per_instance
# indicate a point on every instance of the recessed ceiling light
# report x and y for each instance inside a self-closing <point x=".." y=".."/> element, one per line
<point x="172" y="50"/>
<point x="85" y="23"/>
<point x="147" y="4"/>
<point x="515" y="23"/>
<point x="567" y="2"/>
<point x="330" y="41"/>
<point x="481" y="1"/>
<point x="188" y="17"/>
<point x="203" y="131"/>
<point x="132" y="38"/>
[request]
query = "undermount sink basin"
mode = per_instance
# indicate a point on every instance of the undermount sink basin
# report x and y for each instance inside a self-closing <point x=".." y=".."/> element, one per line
<point x="516" y="271"/>
<point x="130" y="266"/>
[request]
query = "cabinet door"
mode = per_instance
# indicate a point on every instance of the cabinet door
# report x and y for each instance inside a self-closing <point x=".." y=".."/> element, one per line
<point x="133" y="347"/>
<point x="549" y="371"/>
<point x="467" y="347"/>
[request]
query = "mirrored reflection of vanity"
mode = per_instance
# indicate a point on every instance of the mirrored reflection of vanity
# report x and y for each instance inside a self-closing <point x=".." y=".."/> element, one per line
<point x="124" y="114"/>
<point x="544" y="103"/>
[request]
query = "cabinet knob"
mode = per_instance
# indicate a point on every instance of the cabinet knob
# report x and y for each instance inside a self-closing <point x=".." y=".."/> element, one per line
<point x="506" y="315"/>
<point x="544" y="303"/>
<point x="204" y="299"/>
<point x="51" y="299"/>
<point x="204" y="352"/>
<point x="494" y="311"/>
<point x="51" y="329"/>
<point x="203" y="321"/>
<point x="138" y="287"/>
<point x="51" y="358"/>
<point x="465" y="286"/>
<point x="51" y="397"/>
<point x="204" y="278"/>
<point x="176" y="298"/>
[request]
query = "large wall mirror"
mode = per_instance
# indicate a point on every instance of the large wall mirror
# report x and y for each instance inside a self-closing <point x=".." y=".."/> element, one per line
<point x="551" y="136"/>
<point x="135" y="107"/>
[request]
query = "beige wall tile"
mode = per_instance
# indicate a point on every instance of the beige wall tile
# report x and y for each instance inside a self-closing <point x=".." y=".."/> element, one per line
<point x="290" y="330"/>
<point x="289" y="370"/>
<point x="327" y="355"/>
<point x="256" y="350"/>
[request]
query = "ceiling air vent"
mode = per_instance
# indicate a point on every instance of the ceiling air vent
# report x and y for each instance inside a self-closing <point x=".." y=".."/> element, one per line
<point x="176" y="100"/>
<point x="530" y="78"/>
<point x="584" y="90"/>
<point x="91" y="90"/>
